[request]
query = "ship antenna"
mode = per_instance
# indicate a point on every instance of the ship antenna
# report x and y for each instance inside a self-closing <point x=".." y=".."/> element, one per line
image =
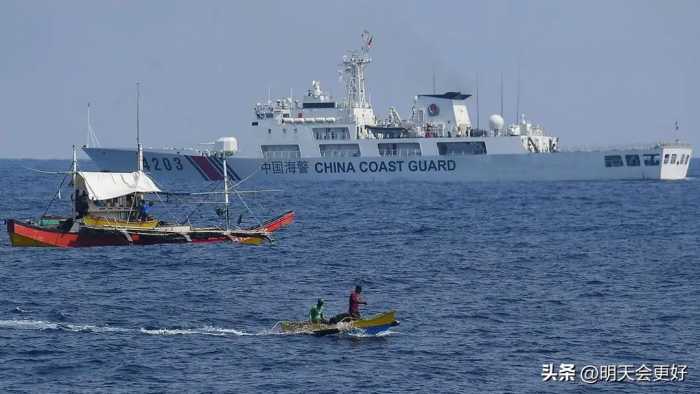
<point x="517" y="99"/>
<point x="92" y="139"/>
<point x="501" y="94"/>
<point x="87" y="140"/>
<point x="434" y="91"/>
<point x="477" y="101"/>
<point x="139" y="156"/>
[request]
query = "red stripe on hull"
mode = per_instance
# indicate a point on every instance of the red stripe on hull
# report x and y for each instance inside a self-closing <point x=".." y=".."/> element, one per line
<point x="207" y="168"/>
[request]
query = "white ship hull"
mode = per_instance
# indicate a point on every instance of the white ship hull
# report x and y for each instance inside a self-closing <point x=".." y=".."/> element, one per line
<point x="668" y="162"/>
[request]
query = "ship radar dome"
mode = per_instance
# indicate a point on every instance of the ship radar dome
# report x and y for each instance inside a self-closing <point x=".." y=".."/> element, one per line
<point x="227" y="145"/>
<point x="496" y="122"/>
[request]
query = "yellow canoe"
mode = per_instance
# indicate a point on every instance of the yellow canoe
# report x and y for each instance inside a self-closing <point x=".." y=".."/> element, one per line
<point x="370" y="325"/>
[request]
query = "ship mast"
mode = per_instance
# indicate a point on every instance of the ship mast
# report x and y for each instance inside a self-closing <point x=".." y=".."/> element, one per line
<point x="353" y="70"/>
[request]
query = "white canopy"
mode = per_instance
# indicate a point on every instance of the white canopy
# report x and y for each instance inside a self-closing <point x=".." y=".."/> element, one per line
<point x="106" y="185"/>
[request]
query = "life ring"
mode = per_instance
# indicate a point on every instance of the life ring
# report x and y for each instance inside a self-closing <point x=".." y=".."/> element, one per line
<point x="433" y="109"/>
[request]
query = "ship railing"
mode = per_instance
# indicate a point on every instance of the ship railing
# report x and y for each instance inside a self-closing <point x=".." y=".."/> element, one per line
<point x="623" y="147"/>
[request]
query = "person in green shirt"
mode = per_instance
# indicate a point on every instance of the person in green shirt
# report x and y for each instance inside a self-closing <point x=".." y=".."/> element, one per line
<point x="316" y="313"/>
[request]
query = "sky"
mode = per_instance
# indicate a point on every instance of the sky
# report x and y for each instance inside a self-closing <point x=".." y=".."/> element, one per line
<point x="593" y="73"/>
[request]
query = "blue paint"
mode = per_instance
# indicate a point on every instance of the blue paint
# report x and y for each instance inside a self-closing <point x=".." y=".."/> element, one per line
<point x="489" y="280"/>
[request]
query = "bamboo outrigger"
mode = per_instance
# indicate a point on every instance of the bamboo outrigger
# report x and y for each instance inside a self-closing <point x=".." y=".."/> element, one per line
<point x="109" y="210"/>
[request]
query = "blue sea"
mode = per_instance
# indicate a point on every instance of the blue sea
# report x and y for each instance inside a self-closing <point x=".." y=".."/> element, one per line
<point x="492" y="282"/>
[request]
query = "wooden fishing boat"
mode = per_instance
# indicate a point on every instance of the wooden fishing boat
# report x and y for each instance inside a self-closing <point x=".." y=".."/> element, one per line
<point x="371" y="325"/>
<point x="71" y="233"/>
<point x="110" y="210"/>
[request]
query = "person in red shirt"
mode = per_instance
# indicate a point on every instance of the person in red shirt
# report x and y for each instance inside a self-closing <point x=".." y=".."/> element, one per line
<point x="355" y="301"/>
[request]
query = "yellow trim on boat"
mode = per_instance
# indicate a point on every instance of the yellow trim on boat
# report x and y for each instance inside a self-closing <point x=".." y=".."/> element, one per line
<point x="99" y="221"/>
<point x="21" y="240"/>
<point x="251" y="240"/>
<point x="376" y="320"/>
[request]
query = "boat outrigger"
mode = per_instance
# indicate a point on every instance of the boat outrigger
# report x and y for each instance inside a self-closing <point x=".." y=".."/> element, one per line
<point x="110" y="209"/>
<point x="372" y="325"/>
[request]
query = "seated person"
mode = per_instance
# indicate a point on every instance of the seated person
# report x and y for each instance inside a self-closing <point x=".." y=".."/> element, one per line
<point x="144" y="209"/>
<point x="316" y="313"/>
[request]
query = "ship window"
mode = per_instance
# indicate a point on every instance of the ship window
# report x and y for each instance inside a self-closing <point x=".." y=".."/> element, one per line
<point x="331" y="133"/>
<point x="666" y="158"/>
<point x="632" y="160"/>
<point x="614" y="161"/>
<point x="325" y="104"/>
<point x="281" y="151"/>
<point x="461" y="148"/>
<point x="673" y="158"/>
<point x="400" y="149"/>
<point x="254" y="124"/>
<point x="268" y="115"/>
<point x="651" y="160"/>
<point x="340" y="150"/>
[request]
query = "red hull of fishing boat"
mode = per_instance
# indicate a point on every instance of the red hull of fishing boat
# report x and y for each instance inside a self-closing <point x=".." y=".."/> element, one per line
<point x="277" y="223"/>
<point x="25" y="234"/>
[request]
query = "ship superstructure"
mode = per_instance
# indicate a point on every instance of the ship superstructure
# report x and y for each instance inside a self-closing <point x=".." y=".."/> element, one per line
<point x="319" y="137"/>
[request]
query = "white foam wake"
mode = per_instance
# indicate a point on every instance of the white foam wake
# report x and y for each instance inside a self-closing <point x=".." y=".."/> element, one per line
<point x="26" y="324"/>
<point x="41" y="325"/>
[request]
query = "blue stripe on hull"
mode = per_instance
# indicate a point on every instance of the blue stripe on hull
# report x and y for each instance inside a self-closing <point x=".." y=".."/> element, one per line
<point x="377" y="329"/>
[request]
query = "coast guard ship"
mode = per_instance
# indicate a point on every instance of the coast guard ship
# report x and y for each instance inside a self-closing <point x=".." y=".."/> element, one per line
<point x="320" y="138"/>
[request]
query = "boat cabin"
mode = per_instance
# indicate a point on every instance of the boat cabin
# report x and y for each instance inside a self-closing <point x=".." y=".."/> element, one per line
<point x="111" y="196"/>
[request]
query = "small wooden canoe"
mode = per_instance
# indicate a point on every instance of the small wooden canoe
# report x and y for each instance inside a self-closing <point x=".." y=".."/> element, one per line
<point x="371" y="325"/>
